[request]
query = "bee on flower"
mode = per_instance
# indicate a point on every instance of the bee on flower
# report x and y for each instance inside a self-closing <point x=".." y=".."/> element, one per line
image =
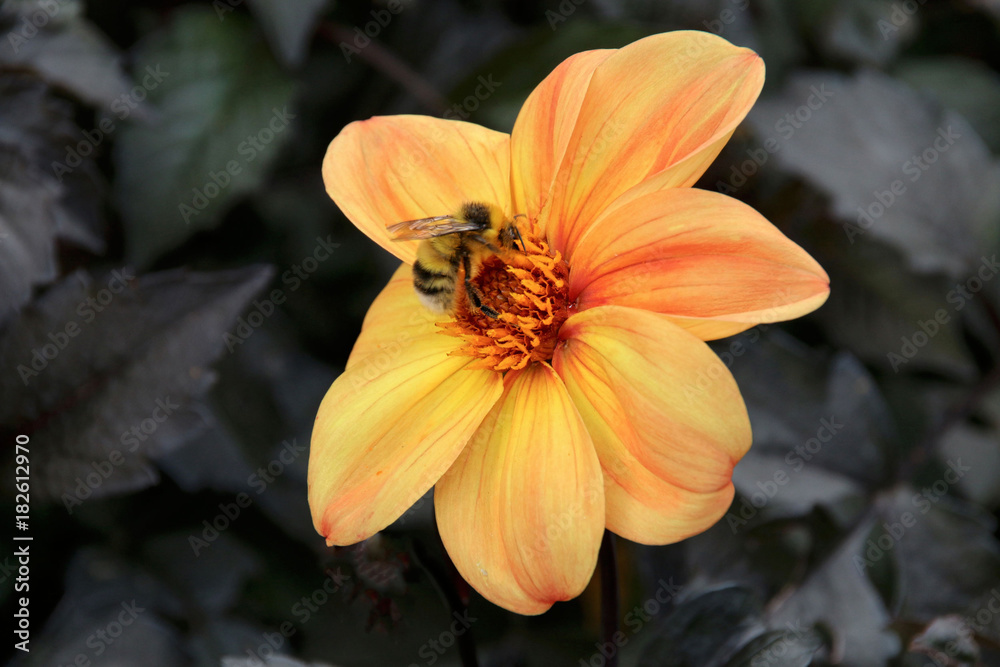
<point x="546" y="394"/>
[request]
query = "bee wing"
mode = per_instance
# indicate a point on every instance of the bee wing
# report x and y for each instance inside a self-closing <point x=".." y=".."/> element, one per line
<point x="426" y="228"/>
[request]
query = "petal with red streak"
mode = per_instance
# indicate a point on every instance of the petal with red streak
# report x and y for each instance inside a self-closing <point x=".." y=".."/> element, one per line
<point x="710" y="262"/>
<point x="543" y="128"/>
<point x="521" y="512"/>
<point x="389" y="169"/>
<point x="666" y="417"/>
<point x="656" y="113"/>
<point x="384" y="435"/>
<point x="394" y="320"/>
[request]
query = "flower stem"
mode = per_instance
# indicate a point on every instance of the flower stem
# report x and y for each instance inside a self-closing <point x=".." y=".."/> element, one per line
<point x="609" y="595"/>
<point x="446" y="579"/>
<point x="389" y="64"/>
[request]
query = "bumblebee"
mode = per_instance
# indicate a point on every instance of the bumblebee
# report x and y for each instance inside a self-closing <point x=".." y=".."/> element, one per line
<point x="464" y="240"/>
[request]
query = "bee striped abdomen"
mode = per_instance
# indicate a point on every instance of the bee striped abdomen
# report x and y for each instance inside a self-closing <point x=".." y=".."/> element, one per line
<point x="434" y="278"/>
<point x="454" y="244"/>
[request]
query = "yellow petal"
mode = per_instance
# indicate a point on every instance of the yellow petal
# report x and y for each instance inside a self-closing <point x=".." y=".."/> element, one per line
<point x="395" y="319"/>
<point x="544" y="126"/>
<point x="656" y="114"/>
<point x="710" y="262"/>
<point x="384" y="436"/>
<point x="666" y="416"/>
<point x="393" y="168"/>
<point x="521" y="512"/>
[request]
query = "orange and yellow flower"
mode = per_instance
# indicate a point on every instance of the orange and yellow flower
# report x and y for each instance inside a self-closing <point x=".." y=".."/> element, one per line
<point x="592" y="402"/>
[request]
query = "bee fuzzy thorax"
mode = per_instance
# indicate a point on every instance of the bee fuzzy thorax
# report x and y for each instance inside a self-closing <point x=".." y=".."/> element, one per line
<point x="454" y="245"/>
<point x="505" y="287"/>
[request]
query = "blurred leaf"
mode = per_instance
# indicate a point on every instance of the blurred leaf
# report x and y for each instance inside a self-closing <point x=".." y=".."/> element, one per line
<point x="102" y="590"/>
<point x="780" y="648"/>
<point x="72" y="55"/>
<point x="38" y="204"/>
<point x="778" y="490"/>
<point x="809" y="409"/>
<point x="213" y="579"/>
<point x="288" y="25"/>
<point x="702" y="629"/>
<point x="893" y="319"/>
<point x="264" y="405"/>
<point x="979" y="449"/>
<point x="780" y="40"/>
<point x="210" y="459"/>
<point x="273" y="661"/>
<point x="223" y="111"/>
<point x="970" y="87"/>
<point x="946" y="553"/>
<point x="863" y="31"/>
<point x="111" y="366"/>
<point x="839" y="595"/>
<point x="894" y="165"/>
<point x="948" y="641"/>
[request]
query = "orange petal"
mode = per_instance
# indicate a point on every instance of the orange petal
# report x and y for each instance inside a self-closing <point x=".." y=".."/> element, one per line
<point x="666" y="416"/>
<point x="657" y="112"/>
<point x="543" y="128"/>
<point x="710" y="262"/>
<point x="522" y="510"/>
<point x="394" y="320"/>
<point x="393" y="168"/>
<point x="384" y="436"/>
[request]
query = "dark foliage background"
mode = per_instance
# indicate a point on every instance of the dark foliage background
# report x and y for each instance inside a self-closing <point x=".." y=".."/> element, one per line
<point x="177" y="292"/>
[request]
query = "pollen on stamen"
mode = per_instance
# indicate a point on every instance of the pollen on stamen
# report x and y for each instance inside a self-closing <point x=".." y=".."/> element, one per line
<point x="529" y="290"/>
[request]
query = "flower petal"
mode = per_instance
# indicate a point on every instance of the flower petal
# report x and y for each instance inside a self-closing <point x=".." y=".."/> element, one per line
<point x="666" y="416"/>
<point x="521" y="512"/>
<point x="395" y="318"/>
<point x="710" y="262"/>
<point x="543" y="128"/>
<point x="384" y="436"/>
<point x="657" y="113"/>
<point x="393" y="168"/>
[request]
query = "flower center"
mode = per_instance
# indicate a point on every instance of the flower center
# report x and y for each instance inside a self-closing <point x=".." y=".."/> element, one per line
<point x="529" y="291"/>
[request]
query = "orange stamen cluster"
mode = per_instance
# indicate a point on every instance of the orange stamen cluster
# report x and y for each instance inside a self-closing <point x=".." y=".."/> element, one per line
<point x="529" y="291"/>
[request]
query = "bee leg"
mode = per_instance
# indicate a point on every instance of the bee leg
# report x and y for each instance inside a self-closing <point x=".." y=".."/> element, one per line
<point x="475" y="296"/>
